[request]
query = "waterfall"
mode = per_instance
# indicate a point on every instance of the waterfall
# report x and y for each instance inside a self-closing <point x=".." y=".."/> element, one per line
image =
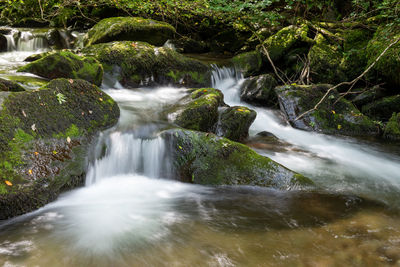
<point x="128" y="154"/>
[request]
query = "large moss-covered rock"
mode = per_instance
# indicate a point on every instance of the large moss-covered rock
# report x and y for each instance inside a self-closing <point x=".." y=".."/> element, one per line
<point x="203" y="158"/>
<point x="369" y="95"/>
<point x="199" y="110"/>
<point x="248" y="63"/>
<point x="10" y="86"/>
<point x="325" y="59"/>
<point x="130" y="29"/>
<point x="143" y="64"/>
<point x="286" y="39"/>
<point x="260" y="90"/>
<point x="354" y="60"/>
<point x="44" y="137"/>
<point x="383" y="108"/>
<point x="330" y="117"/>
<point x="387" y="69"/>
<point x="65" y="64"/>
<point x="392" y="128"/>
<point x="234" y="122"/>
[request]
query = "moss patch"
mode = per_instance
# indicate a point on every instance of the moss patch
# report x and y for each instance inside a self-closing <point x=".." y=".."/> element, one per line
<point x="392" y="129"/>
<point x="248" y="63"/>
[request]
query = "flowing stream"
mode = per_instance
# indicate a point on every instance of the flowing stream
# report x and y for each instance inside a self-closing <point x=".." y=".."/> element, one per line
<point x="133" y="213"/>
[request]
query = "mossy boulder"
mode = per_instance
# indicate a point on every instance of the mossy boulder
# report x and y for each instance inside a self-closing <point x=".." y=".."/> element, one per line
<point x="286" y="39"/>
<point x="44" y="138"/>
<point x="383" y="108"/>
<point x="387" y="69"/>
<point x="130" y="29"/>
<point x="248" y="63"/>
<point x="355" y="60"/>
<point x="330" y="117"/>
<point x="207" y="159"/>
<point x="65" y="64"/>
<point x="392" y="128"/>
<point x="259" y="90"/>
<point x="325" y="60"/>
<point x="188" y="45"/>
<point x="234" y="122"/>
<point x="143" y="64"/>
<point x="6" y="85"/>
<point x="199" y="110"/>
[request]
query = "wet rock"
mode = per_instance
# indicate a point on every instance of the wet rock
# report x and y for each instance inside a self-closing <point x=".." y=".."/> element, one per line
<point x="260" y="90"/>
<point x="234" y="122"/>
<point x="143" y="64"/>
<point x="5" y="31"/>
<point x="203" y="158"/>
<point x="199" y="110"/>
<point x="60" y="38"/>
<point x="65" y="64"/>
<point x="392" y="128"/>
<point x="330" y="117"/>
<point x="130" y="29"/>
<point x="368" y="96"/>
<point x="10" y="86"/>
<point x="3" y="43"/>
<point x="248" y="63"/>
<point x="35" y="57"/>
<point x="44" y="137"/>
<point x="383" y="108"/>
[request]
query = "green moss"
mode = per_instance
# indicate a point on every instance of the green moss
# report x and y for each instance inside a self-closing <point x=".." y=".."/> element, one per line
<point x="286" y="39"/>
<point x="10" y="86"/>
<point x="130" y="29"/>
<point x="65" y="64"/>
<point x="383" y="108"/>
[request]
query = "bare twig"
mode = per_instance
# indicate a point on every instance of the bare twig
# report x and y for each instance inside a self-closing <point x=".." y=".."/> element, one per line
<point x="351" y="83"/>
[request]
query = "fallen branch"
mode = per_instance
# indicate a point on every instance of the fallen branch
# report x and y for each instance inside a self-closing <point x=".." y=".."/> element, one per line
<point x="351" y="83"/>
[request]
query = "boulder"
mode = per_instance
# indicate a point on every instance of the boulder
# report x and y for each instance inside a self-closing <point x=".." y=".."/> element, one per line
<point x="330" y="117"/>
<point x="189" y="45"/>
<point x="143" y="64"/>
<point x="392" y="128"/>
<point x="199" y="110"/>
<point x="234" y="122"/>
<point x="130" y="29"/>
<point x="259" y="90"/>
<point x="6" y="85"/>
<point x="325" y="59"/>
<point x="65" y="64"/>
<point x="286" y="39"/>
<point x="383" y="108"/>
<point x="207" y="159"/>
<point x="248" y="63"/>
<point x="44" y="138"/>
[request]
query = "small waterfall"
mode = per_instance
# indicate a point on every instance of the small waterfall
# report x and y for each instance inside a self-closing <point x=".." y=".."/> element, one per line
<point x="128" y="154"/>
<point x="26" y="41"/>
<point x="229" y="81"/>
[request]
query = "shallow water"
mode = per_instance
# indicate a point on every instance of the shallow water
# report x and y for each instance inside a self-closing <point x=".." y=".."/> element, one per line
<point x="130" y="214"/>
